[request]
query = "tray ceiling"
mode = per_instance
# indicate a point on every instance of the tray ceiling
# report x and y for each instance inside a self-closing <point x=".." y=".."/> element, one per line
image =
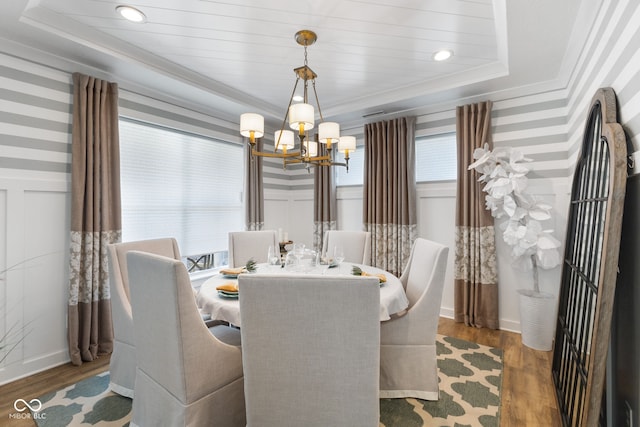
<point x="371" y="56"/>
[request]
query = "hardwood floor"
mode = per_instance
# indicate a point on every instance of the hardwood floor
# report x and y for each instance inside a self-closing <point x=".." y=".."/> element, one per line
<point x="528" y="397"/>
<point x="44" y="382"/>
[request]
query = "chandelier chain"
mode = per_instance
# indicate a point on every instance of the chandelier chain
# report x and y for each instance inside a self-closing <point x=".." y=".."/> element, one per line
<point x="313" y="82"/>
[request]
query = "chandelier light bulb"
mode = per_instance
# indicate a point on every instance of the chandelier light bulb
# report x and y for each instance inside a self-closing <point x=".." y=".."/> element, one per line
<point x="283" y="140"/>
<point x="347" y="144"/>
<point x="328" y="132"/>
<point x="252" y="126"/>
<point x="301" y="117"/>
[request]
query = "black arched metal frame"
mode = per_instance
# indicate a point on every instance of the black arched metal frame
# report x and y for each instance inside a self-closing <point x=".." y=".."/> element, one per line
<point x="590" y="265"/>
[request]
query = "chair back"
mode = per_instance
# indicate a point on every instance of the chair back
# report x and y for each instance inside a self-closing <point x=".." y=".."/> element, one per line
<point x="173" y="346"/>
<point x="117" y="253"/>
<point x="122" y="365"/>
<point x="423" y="277"/>
<point x="246" y="245"/>
<point x="356" y="245"/>
<point x="310" y="350"/>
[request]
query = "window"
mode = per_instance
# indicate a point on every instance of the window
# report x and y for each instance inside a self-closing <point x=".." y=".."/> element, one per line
<point x="355" y="176"/>
<point x="436" y="158"/>
<point x="176" y="184"/>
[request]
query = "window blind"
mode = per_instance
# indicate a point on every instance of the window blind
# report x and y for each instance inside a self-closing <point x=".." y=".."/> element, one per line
<point x="176" y="184"/>
<point x="436" y="158"/>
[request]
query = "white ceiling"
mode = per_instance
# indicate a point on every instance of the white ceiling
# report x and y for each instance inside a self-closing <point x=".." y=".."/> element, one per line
<point x="371" y="55"/>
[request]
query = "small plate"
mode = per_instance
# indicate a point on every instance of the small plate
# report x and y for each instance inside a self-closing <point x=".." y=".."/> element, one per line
<point x="228" y="294"/>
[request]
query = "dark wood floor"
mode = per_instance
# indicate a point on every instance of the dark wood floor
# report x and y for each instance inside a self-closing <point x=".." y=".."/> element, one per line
<point x="528" y="397"/>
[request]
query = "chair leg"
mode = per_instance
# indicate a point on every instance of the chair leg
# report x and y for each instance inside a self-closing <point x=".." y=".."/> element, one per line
<point x="213" y="322"/>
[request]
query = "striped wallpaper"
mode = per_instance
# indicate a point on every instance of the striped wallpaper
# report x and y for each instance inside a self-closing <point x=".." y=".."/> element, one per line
<point x="534" y="124"/>
<point x="35" y="111"/>
<point x="610" y="59"/>
<point x="35" y="121"/>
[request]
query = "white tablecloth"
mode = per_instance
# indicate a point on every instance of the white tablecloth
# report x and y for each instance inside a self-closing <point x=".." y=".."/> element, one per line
<point x="392" y="297"/>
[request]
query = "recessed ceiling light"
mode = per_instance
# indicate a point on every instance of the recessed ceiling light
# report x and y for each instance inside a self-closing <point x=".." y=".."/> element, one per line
<point x="442" y="55"/>
<point x="131" y="13"/>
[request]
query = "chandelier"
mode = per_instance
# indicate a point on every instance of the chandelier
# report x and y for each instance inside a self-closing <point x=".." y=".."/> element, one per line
<point x="301" y="119"/>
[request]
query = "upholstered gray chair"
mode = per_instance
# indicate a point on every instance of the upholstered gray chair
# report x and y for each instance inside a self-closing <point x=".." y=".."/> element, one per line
<point x="310" y="350"/>
<point x="122" y="366"/>
<point x="185" y="376"/>
<point x="408" y="343"/>
<point x="246" y="245"/>
<point x="355" y="244"/>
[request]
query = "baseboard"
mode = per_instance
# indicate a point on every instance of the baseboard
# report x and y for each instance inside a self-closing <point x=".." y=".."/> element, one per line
<point x="504" y="325"/>
<point x="15" y="371"/>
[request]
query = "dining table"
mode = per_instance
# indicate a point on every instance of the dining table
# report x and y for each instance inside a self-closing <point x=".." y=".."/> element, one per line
<point x="220" y="306"/>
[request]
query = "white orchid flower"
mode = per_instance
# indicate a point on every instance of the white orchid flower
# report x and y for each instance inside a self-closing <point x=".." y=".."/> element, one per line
<point x="514" y="162"/>
<point x="519" y="214"/>
<point x="495" y="206"/>
<point x="513" y="233"/>
<point x="482" y="156"/>
<point x="519" y="183"/>
<point x="499" y="170"/>
<point x="539" y="214"/>
<point x="509" y="205"/>
<point x="499" y="187"/>
<point x="504" y="173"/>
<point x="547" y="253"/>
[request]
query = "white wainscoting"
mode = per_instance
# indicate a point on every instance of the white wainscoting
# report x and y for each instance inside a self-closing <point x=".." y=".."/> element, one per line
<point x="293" y="211"/>
<point x="33" y="294"/>
<point x="35" y="214"/>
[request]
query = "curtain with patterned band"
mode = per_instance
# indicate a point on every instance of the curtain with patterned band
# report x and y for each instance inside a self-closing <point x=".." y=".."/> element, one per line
<point x="475" y="270"/>
<point x="389" y="192"/>
<point x="95" y="215"/>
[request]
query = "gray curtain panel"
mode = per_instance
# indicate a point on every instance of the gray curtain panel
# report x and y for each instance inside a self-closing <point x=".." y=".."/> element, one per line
<point x="254" y="189"/>
<point x="476" y="281"/>
<point x="95" y="215"/>
<point x="390" y="192"/>
<point x="324" y="200"/>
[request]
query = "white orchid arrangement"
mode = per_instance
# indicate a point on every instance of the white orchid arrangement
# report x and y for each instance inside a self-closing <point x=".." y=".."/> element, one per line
<point x="504" y="172"/>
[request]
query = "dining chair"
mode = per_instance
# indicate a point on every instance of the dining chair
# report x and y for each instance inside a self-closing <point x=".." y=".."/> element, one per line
<point x="310" y="350"/>
<point x="185" y="375"/>
<point x="122" y="366"/>
<point x="246" y="245"/>
<point x="355" y="244"/>
<point x="408" y="365"/>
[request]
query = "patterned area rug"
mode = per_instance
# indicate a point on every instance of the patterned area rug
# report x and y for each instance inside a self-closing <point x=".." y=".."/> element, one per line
<point x="89" y="402"/>
<point x="470" y="382"/>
